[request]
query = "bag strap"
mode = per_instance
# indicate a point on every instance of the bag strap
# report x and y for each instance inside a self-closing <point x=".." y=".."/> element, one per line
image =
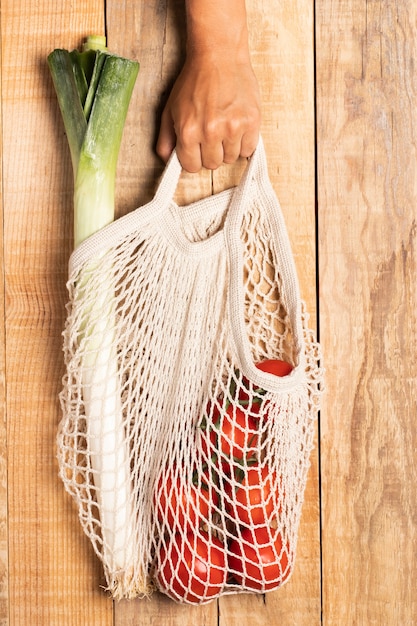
<point x="255" y="183"/>
<point x="169" y="181"/>
<point x="255" y="180"/>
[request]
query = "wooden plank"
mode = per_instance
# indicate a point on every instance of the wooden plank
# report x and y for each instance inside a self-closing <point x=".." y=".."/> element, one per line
<point x="152" y="32"/>
<point x="367" y="120"/>
<point x="53" y="573"/>
<point x="4" y="564"/>
<point x="286" y="42"/>
<point x="283" y="59"/>
<point x="54" y="576"/>
<point x="367" y="189"/>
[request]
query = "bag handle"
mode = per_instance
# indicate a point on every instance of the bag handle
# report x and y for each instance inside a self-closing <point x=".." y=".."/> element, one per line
<point x="169" y="181"/>
<point x="255" y="181"/>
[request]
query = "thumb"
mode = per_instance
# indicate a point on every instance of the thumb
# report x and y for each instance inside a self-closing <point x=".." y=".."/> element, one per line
<point x="167" y="137"/>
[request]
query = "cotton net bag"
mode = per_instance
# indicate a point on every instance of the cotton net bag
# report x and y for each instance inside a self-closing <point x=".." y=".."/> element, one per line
<point x="191" y="391"/>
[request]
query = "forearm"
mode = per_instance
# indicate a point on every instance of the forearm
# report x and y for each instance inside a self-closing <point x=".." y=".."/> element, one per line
<point x="217" y="27"/>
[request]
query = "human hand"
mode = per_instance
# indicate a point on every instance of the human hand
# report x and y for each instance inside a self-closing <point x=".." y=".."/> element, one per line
<point x="212" y="114"/>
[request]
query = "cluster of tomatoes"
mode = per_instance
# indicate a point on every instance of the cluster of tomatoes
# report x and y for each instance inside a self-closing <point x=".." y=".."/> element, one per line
<point x="228" y="532"/>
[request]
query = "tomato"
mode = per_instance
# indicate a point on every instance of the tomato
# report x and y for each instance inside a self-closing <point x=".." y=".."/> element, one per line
<point x="256" y="499"/>
<point x="231" y="436"/>
<point x="276" y="367"/>
<point x="183" y="505"/>
<point x="259" y="562"/>
<point x="192" y="568"/>
<point x="238" y="434"/>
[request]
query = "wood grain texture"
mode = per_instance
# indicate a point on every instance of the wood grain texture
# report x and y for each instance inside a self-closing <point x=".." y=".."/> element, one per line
<point x="283" y="60"/>
<point x="4" y="578"/>
<point x="367" y="187"/>
<point x="157" y="41"/>
<point x="367" y="120"/>
<point x="53" y="577"/>
<point x="367" y="224"/>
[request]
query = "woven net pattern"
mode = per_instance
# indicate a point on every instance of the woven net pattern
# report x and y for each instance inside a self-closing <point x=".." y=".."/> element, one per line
<point x="187" y="461"/>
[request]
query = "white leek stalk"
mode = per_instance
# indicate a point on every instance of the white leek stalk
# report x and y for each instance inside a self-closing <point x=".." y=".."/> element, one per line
<point x="94" y="89"/>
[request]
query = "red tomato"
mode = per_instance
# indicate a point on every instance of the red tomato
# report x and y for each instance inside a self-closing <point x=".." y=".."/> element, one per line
<point x="238" y="436"/>
<point x="192" y="568"/>
<point x="231" y="436"/>
<point x="256" y="499"/>
<point x="272" y="366"/>
<point x="257" y="563"/>
<point x="180" y="505"/>
<point x="275" y="367"/>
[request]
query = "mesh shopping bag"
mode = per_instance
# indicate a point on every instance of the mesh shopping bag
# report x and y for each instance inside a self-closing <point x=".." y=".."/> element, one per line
<point x="191" y="390"/>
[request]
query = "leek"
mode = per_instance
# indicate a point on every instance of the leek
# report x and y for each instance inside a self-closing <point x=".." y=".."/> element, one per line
<point x="94" y="89"/>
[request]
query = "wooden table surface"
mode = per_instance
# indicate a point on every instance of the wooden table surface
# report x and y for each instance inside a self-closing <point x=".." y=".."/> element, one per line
<point x="339" y="95"/>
